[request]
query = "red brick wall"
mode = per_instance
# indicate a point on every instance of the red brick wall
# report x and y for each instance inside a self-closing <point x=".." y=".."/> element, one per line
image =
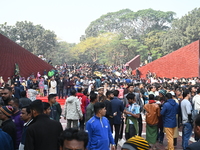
<point x="183" y="62"/>
<point x="134" y="63"/>
<point x="11" y="53"/>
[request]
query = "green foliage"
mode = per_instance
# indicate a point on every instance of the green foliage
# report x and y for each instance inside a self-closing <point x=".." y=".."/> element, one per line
<point x="108" y="48"/>
<point x="32" y="37"/>
<point x="8" y="31"/>
<point x="183" y="32"/>
<point x="92" y="47"/>
<point x="138" y="33"/>
<point x="154" y="43"/>
<point x="63" y="53"/>
<point x="131" y="24"/>
<point x="145" y="31"/>
<point x="107" y="23"/>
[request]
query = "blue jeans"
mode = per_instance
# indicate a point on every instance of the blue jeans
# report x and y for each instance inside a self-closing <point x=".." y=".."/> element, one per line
<point x="187" y="131"/>
<point x="66" y="92"/>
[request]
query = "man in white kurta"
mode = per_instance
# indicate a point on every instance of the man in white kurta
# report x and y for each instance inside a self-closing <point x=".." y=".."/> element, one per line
<point x="53" y="84"/>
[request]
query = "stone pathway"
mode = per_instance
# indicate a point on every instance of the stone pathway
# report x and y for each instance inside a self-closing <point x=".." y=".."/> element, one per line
<point x="159" y="146"/>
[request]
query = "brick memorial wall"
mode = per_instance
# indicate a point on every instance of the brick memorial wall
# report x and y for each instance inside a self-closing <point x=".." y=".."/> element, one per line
<point x="183" y="62"/>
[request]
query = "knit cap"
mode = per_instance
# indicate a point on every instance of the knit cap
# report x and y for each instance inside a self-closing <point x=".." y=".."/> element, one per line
<point x="136" y="143"/>
<point x="7" y="110"/>
<point x="163" y="92"/>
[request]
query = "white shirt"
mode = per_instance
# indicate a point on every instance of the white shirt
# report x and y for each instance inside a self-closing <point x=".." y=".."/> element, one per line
<point x="196" y="102"/>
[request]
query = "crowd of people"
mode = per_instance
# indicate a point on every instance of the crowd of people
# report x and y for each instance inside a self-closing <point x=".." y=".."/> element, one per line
<point x="100" y="101"/>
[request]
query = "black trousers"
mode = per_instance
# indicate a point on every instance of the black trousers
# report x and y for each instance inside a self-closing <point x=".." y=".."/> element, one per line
<point x="131" y="133"/>
<point x="117" y="128"/>
<point x="121" y="129"/>
<point x="111" y="123"/>
<point x="82" y="125"/>
<point x="140" y="125"/>
<point x="60" y="92"/>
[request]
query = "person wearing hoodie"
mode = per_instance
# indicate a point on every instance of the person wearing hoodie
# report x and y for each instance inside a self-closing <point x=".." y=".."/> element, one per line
<point x="72" y="110"/>
<point x="169" y="111"/>
<point x="83" y="99"/>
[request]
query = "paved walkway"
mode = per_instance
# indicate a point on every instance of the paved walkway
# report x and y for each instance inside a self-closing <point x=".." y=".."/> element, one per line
<point x="159" y="146"/>
<point x="120" y="143"/>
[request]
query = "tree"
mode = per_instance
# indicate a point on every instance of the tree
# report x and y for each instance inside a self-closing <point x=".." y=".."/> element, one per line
<point x="183" y="32"/>
<point x="63" y="53"/>
<point x="32" y="37"/>
<point x="131" y="24"/>
<point x="107" y="23"/>
<point x="92" y="47"/>
<point x="154" y="43"/>
<point x="148" y="20"/>
<point x="8" y="31"/>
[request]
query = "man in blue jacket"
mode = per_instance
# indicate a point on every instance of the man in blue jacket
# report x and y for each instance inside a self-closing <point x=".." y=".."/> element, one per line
<point x="169" y="111"/>
<point x="117" y="110"/>
<point x="98" y="128"/>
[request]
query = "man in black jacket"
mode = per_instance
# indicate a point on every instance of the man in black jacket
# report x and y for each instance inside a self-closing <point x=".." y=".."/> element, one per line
<point x="66" y="87"/>
<point x="60" y="85"/>
<point x="109" y="114"/>
<point x="42" y="133"/>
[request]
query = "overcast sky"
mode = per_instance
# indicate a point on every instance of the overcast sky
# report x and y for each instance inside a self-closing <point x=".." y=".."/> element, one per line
<point x="69" y="18"/>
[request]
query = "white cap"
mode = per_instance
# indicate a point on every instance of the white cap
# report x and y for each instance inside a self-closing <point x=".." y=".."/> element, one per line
<point x="172" y="92"/>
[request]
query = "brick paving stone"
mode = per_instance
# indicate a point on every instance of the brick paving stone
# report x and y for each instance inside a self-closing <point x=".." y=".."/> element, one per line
<point x="159" y="146"/>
